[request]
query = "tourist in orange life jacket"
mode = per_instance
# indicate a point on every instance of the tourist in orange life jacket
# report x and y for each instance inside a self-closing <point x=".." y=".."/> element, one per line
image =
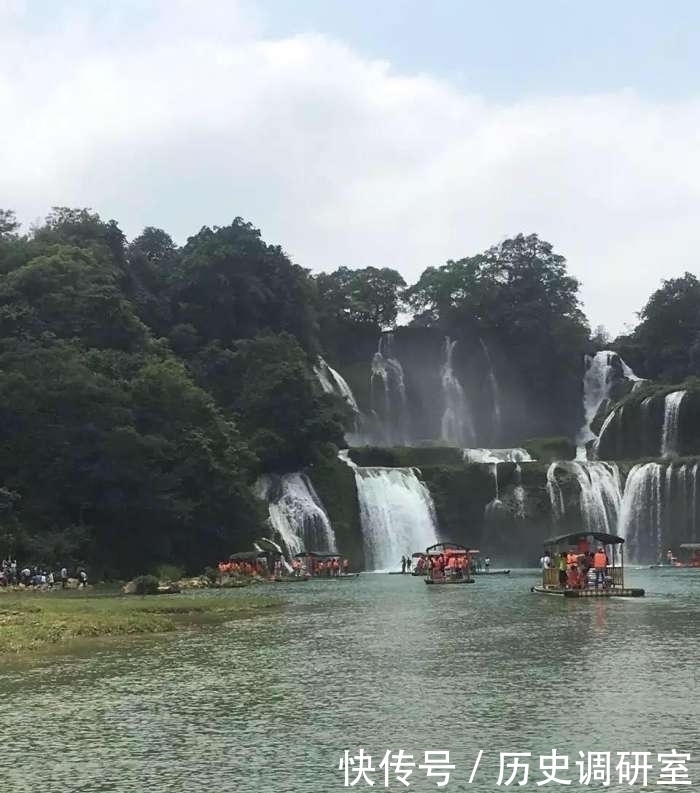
<point x="600" y="563"/>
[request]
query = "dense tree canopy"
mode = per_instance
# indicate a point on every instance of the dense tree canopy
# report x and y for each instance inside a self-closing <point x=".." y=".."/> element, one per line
<point x="139" y="398"/>
<point x="369" y="296"/>
<point x="666" y="343"/>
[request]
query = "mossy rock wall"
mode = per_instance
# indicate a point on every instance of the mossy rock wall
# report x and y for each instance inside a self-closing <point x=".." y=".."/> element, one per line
<point x="549" y="450"/>
<point x="405" y="456"/>
<point x="334" y="483"/>
<point x="512" y="531"/>
<point x="635" y="431"/>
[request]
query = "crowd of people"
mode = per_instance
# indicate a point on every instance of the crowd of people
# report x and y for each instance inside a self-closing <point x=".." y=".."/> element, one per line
<point x="253" y="568"/>
<point x="262" y="567"/>
<point x="577" y="569"/>
<point x="448" y="566"/>
<point x="320" y="567"/>
<point x="37" y="577"/>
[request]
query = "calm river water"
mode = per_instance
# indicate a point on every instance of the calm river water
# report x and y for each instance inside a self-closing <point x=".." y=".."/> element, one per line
<point x="381" y="662"/>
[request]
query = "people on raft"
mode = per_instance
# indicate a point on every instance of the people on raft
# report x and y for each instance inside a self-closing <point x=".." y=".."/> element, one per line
<point x="582" y="567"/>
<point x="251" y="568"/>
<point x="330" y="567"/>
<point x="448" y="565"/>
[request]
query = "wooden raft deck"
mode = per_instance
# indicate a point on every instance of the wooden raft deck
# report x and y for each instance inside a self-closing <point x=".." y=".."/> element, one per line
<point x="624" y="592"/>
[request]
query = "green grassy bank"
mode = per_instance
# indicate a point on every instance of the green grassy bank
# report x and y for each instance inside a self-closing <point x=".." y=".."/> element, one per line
<point x="32" y="623"/>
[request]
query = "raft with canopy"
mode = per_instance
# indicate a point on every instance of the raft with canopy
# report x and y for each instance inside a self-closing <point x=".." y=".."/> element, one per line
<point x="580" y="548"/>
<point x="689" y="553"/>
<point x="448" y="563"/>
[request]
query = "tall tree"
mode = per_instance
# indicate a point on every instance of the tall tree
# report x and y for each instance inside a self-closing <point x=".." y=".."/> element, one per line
<point x="662" y="345"/>
<point x="231" y="285"/>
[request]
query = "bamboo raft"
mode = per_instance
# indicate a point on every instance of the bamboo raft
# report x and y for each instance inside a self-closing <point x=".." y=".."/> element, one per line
<point x="589" y="593"/>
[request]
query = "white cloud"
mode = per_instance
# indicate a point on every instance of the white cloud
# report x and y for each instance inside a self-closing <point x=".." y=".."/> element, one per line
<point x="188" y="115"/>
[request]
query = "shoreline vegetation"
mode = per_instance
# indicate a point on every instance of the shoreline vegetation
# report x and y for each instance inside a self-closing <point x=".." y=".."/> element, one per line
<point x="33" y="623"/>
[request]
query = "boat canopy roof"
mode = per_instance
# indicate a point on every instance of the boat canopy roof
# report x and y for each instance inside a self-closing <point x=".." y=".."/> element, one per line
<point x="316" y="555"/>
<point x="418" y="554"/>
<point x="690" y="546"/>
<point x="245" y="556"/>
<point x="446" y="548"/>
<point x="604" y="539"/>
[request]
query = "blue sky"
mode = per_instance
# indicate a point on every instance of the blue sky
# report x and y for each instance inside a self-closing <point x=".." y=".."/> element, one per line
<point x="507" y="48"/>
<point x="361" y="133"/>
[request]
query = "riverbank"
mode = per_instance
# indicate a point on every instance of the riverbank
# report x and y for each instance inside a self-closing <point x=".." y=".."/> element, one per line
<point x="32" y="623"/>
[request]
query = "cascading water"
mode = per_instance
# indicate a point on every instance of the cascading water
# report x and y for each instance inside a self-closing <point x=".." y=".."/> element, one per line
<point x="388" y="392"/>
<point x="495" y="505"/>
<point x="333" y="382"/>
<point x="600" y="494"/>
<point x="658" y="509"/>
<point x="596" y="443"/>
<point x="602" y="371"/>
<point x="396" y="512"/>
<point x="495" y="392"/>
<point x="296" y="513"/>
<point x="496" y="456"/>
<point x="641" y="518"/>
<point x="457" y="426"/>
<point x="519" y="492"/>
<point x="669" y="433"/>
<point x="556" y="497"/>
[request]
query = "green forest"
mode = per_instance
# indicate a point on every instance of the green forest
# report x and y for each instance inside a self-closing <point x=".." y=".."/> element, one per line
<point x="144" y="385"/>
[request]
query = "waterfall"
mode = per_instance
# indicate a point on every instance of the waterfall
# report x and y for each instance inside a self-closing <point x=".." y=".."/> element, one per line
<point x="396" y="512"/>
<point x="388" y="392"/>
<point x="457" y="426"/>
<point x="495" y="393"/>
<point x="495" y="505"/>
<point x="333" y="382"/>
<point x="649" y="438"/>
<point x="602" y="371"/>
<point x="519" y="492"/>
<point x="600" y="494"/>
<point x="658" y="509"/>
<point x="556" y="497"/>
<point x="641" y="519"/>
<point x="669" y="433"/>
<point x="496" y="456"/>
<point x="296" y="513"/>
<point x="596" y="443"/>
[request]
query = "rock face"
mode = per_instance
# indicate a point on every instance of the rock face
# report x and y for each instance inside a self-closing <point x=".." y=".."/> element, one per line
<point x="652" y="422"/>
<point x="418" y="385"/>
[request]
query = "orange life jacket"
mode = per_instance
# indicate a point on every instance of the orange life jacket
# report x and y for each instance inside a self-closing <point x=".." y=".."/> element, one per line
<point x="600" y="560"/>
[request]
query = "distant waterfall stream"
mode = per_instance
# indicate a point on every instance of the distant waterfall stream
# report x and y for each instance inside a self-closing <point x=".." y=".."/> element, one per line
<point x="388" y="392"/>
<point x="600" y="496"/>
<point x="669" y="433"/>
<point x="659" y="509"/>
<point x="603" y="370"/>
<point x="296" y="513"/>
<point x="457" y="426"/>
<point x="397" y="514"/>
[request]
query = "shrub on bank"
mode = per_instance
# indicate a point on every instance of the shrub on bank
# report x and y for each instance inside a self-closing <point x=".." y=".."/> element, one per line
<point x="146" y="585"/>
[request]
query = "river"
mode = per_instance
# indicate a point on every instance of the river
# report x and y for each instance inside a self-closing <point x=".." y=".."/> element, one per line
<point x="381" y="662"/>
